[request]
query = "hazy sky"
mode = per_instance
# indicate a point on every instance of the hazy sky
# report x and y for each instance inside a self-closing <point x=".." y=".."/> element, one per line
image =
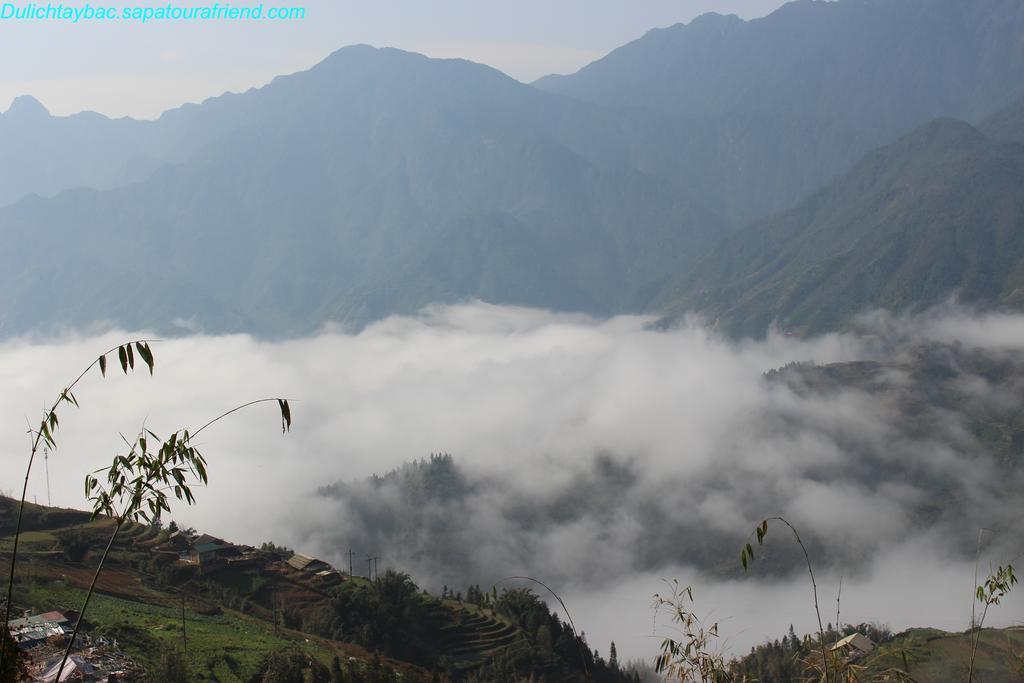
<point x="140" y="70"/>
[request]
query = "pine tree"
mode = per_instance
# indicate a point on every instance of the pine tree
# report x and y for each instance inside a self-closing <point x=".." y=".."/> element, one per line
<point x="613" y="657"/>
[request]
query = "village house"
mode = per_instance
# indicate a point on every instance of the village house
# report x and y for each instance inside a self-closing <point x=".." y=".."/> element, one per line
<point x="98" y="661"/>
<point x="205" y="553"/>
<point x="30" y="631"/>
<point x="854" y="646"/>
<point x="207" y="549"/>
<point x="306" y="563"/>
<point x="329" y="577"/>
<point x="177" y="541"/>
<point x="76" y="669"/>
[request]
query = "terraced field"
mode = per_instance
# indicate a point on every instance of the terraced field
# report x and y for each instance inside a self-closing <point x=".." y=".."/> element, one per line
<point x="224" y="644"/>
<point x="475" y="635"/>
<point x="238" y="613"/>
<point x="933" y="656"/>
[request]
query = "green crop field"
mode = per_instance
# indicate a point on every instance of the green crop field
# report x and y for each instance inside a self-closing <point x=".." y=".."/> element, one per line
<point x="229" y="646"/>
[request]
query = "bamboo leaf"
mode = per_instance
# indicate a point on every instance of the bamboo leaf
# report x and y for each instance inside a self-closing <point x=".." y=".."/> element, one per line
<point x="146" y="354"/>
<point x="286" y="415"/>
<point x="122" y="356"/>
<point x="131" y="356"/>
<point x="103" y="365"/>
<point x="46" y="434"/>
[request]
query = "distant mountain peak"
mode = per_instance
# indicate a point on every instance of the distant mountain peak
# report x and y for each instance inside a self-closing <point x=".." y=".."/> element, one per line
<point x="25" y="106"/>
<point x="358" y="58"/>
<point x="715" y="19"/>
<point x="945" y="133"/>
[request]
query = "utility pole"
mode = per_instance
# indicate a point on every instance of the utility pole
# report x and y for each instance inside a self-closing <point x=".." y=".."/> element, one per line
<point x="350" y="554"/>
<point x="369" y="567"/>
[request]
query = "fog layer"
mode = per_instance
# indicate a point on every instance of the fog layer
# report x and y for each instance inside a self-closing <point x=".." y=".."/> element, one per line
<point x="598" y="455"/>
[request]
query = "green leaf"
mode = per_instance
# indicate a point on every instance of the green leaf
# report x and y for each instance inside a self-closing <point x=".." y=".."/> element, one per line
<point x="45" y="430"/>
<point x="131" y="356"/>
<point x="122" y="356"/>
<point x="146" y="354"/>
<point x="286" y="415"/>
<point x="103" y="365"/>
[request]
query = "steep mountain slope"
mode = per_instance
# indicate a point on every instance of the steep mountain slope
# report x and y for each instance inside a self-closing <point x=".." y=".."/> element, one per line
<point x="937" y="214"/>
<point x="377" y="182"/>
<point x="44" y="154"/>
<point x="749" y="116"/>
<point x="930" y="655"/>
<point x="779" y="105"/>
<point x="1007" y="124"/>
<point x="238" y="611"/>
<point x="380" y="181"/>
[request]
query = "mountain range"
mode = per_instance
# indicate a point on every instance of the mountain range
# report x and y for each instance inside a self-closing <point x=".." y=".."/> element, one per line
<point x="660" y="178"/>
<point x="937" y="215"/>
<point x="377" y="182"/>
<point x="766" y="111"/>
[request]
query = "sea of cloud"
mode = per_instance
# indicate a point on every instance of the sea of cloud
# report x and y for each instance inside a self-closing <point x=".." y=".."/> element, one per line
<point x="650" y="447"/>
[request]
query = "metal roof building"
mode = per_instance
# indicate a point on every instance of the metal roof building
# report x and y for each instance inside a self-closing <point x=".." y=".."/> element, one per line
<point x="305" y="563"/>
